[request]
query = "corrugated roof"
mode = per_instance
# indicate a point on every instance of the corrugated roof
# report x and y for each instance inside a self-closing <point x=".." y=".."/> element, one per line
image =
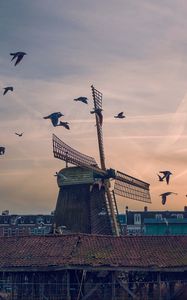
<point x="93" y="251"/>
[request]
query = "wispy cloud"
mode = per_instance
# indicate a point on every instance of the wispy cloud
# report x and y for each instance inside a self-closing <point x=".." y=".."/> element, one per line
<point x="133" y="51"/>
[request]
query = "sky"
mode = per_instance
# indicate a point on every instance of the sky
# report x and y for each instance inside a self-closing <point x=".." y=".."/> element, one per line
<point x="135" y="53"/>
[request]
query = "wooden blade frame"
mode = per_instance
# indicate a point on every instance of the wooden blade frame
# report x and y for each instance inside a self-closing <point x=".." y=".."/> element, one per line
<point x="97" y="98"/>
<point x="70" y="155"/>
<point x="131" y="187"/>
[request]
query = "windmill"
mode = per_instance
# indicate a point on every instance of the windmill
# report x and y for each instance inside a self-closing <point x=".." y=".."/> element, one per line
<point x="88" y="172"/>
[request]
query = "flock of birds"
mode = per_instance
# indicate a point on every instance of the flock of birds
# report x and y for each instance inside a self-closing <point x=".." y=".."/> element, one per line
<point x="166" y="177"/>
<point x="55" y="116"/>
<point x="17" y="56"/>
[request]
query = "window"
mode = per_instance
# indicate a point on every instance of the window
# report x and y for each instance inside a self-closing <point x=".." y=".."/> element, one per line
<point x="137" y="219"/>
<point x="158" y="216"/>
<point x="32" y="231"/>
<point x="179" y="216"/>
<point x="6" y="220"/>
<point x="5" y="231"/>
<point x="39" y="220"/>
<point x="48" y="220"/>
<point x="9" y="231"/>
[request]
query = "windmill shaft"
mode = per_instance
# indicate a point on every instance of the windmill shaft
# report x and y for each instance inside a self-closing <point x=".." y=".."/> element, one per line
<point x="100" y="144"/>
<point x="111" y="207"/>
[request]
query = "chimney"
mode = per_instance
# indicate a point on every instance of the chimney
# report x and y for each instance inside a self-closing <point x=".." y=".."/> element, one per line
<point x="145" y="208"/>
<point x="126" y="209"/>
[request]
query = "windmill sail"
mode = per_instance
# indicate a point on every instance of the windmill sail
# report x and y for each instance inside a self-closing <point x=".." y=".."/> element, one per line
<point x="97" y="99"/>
<point x="70" y="155"/>
<point x="131" y="187"/>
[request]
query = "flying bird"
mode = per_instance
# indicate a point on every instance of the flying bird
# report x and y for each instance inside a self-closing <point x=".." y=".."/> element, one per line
<point x="19" y="134"/>
<point x="18" y="55"/>
<point x="160" y="177"/>
<point x="164" y="196"/>
<point x="64" y="124"/>
<point x="166" y="175"/>
<point x="54" y="118"/>
<point x="2" y="150"/>
<point x="8" y="88"/>
<point x="120" y="115"/>
<point x="82" y="99"/>
<point x="98" y="112"/>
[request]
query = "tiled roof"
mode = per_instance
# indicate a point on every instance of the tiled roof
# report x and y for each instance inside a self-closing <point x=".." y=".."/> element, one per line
<point x="93" y="251"/>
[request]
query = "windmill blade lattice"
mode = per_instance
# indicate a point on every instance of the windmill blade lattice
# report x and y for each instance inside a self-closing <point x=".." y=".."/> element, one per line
<point x="97" y="99"/>
<point x="70" y="155"/>
<point x="131" y="187"/>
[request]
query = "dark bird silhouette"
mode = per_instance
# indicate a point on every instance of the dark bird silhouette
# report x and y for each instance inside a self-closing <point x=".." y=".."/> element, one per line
<point x="54" y="118"/>
<point x="166" y="176"/>
<point x="98" y="112"/>
<point x="120" y="115"/>
<point x="2" y="150"/>
<point x="160" y="178"/>
<point x="64" y="124"/>
<point x="82" y="99"/>
<point x="8" y="88"/>
<point x="164" y="196"/>
<point x="18" y="55"/>
<point x="19" y="134"/>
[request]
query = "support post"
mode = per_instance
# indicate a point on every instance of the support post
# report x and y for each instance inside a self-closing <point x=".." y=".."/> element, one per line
<point x="113" y="286"/>
<point x="159" y="286"/>
<point x="68" y="285"/>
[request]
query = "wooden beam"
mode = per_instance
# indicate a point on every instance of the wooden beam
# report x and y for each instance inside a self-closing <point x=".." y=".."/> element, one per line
<point x="113" y="285"/>
<point x="127" y="290"/>
<point x="90" y="292"/>
<point x="91" y="268"/>
<point x="68" y="285"/>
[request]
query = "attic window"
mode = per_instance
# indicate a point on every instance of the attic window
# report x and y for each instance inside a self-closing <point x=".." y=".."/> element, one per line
<point x="179" y="216"/>
<point x="158" y="216"/>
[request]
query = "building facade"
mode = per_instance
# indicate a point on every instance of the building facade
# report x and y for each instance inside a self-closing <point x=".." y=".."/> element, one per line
<point x="19" y="225"/>
<point x="156" y="222"/>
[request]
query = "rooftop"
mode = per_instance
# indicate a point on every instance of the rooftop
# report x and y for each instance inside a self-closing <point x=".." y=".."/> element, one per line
<point x="91" y="251"/>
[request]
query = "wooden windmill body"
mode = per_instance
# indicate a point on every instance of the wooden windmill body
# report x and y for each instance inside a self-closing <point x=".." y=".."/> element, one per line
<point x="85" y="202"/>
